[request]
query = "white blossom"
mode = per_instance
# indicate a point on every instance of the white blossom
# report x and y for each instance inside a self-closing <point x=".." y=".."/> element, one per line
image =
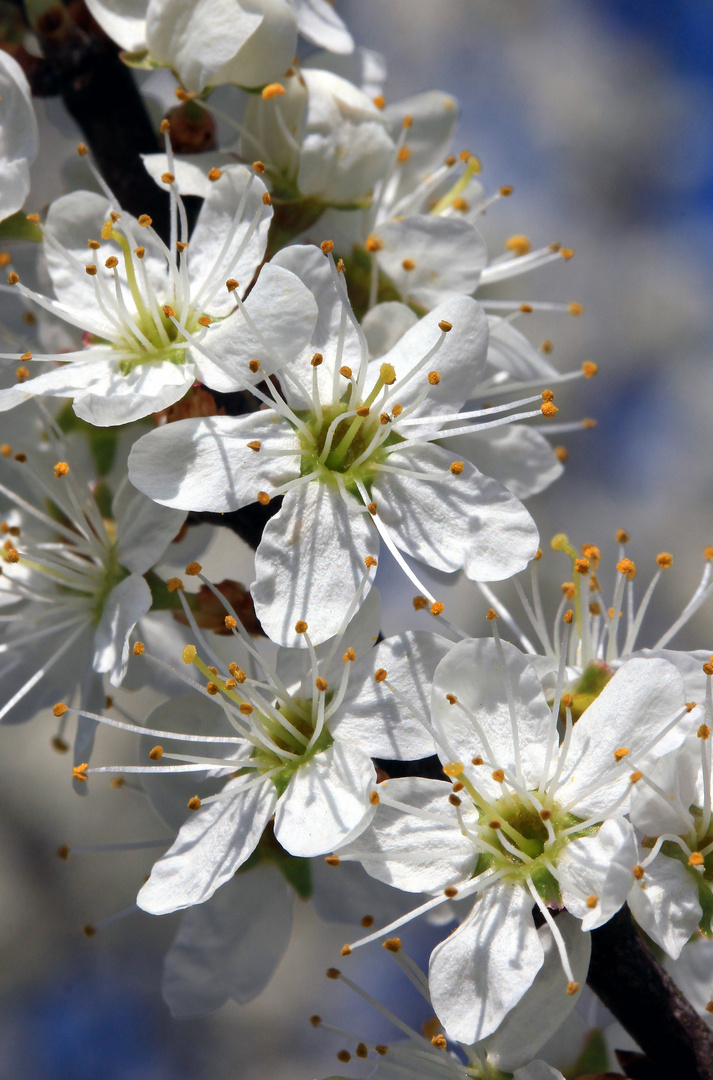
<point x="139" y="302"/>
<point x="72" y="588"/>
<point x="353" y="444"/>
<point x="535" y="819"/>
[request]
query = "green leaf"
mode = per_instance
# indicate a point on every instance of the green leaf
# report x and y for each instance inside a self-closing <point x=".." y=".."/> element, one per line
<point x="298" y="873"/>
<point x="17" y="227"/>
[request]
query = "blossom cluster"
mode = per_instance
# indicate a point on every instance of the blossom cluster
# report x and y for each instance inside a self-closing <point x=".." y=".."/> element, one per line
<point x="313" y="353"/>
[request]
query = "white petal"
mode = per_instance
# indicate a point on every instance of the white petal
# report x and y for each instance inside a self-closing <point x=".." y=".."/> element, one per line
<point x="230" y="946"/>
<point x="19" y="143"/>
<point x="483" y="969"/>
<point x="122" y="20"/>
<point x="465" y="521"/>
<point x="363" y="67"/>
<point x="459" y="361"/>
<point x="601" y="866"/>
<point x="198" y="38"/>
<point x="310" y="562"/>
<point x="538" y="1070"/>
<point x="206" y="463"/>
<point x="473" y="673"/>
<point x="325" y="801"/>
<point x="312" y="267"/>
<point x="119" y="399"/>
<point x="319" y="23"/>
<point x="214" y="842"/>
<point x="434" y="115"/>
<point x="390" y="724"/>
<point x="546" y="1005"/>
<point x="692" y="973"/>
<point x="72" y="378"/>
<point x="448" y="254"/>
<point x="665" y="904"/>
<point x="124" y="606"/>
<point x="510" y="351"/>
<point x="190" y="171"/>
<point x="216" y="221"/>
<point x="295" y="667"/>
<point x="185" y="714"/>
<point x="632" y="709"/>
<point x="417" y="854"/>
<point x="143" y="528"/>
<point x="346" y="893"/>
<point x="385" y="324"/>
<point x="517" y="456"/>
<point x="677" y="774"/>
<point x="284" y="311"/>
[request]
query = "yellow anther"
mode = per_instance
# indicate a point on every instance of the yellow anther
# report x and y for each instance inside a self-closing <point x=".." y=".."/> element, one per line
<point x="592" y="901"/>
<point x="589" y="424"/>
<point x="174" y="584"/>
<point x="139" y="648"/>
<point x="708" y="554"/>
<point x="254" y="444"/>
<point x="370" y="561"/>
<point x="445" y="326"/>
<point x="193" y="568"/>
<point x="363" y="410"/>
<point x="707" y="667"/>
<point x="194" y="803"/>
<point x="90" y="269"/>
<point x="349" y="655"/>
<point x="332" y="973"/>
<point x="477" y="760"/>
<point x="189" y="654"/>
<point x="273" y="90"/>
<point x="61" y="469"/>
<point x="403" y="155"/>
<point x="622" y="537"/>
<point x="547" y="347"/>
<point x="408" y="265"/>
<point x="345" y="371"/>
<point x="379" y="101"/>
<point x="259" y="167"/>
<point x="263" y="498"/>
<point x="380" y="675"/>
<point x="548" y="409"/>
<point x="374" y="798"/>
<point x="437" y="608"/>
<point x="79" y="772"/>
<point x="144" y="221"/>
<point x="506" y="191"/>
<point x="373" y="243"/>
<point x="215" y="174"/>
<point x="695" y="859"/>
<point x="327" y="247"/>
<point x="450" y="891"/>
<point x="545" y="814"/>
<point x="434" y="377"/>
<point x="567" y="701"/>
<point x="230" y="623"/>
<point x="139" y="252"/>
<point x="392" y="944"/>
<point x="13" y="278"/>
<point x="626" y="567"/>
<point x="316" y="359"/>
<point x="451" y="699"/>
<point x="456" y="467"/>
<point x="231" y="284"/>
<point x="491" y="614"/>
<point x="636" y="776"/>
<point x="575" y="308"/>
<point x="59" y="709"/>
<point x="246" y="709"/>
<point x="569" y="617"/>
<point x="168" y="178"/>
<point x="519" y="245"/>
<point x="321" y="684"/>
<point x="566" y="253"/>
<point x="620" y="753"/>
<point x="344" y="1056"/>
<point x="664" y="560"/>
<point x="346" y="950"/>
<point x="439" y="1041"/>
<point x="22" y="374"/>
<point x="332" y="860"/>
<point x="181" y="246"/>
<point x="165" y="125"/>
<point x="420" y="602"/>
<point x="82" y="149"/>
<point x="704" y="732"/>
<point x="156" y="754"/>
<point x="589" y="369"/>
<point x="498" y="776"/>
<point x="266" y="199"/>
<point x="582" y="566"/>
<point x="387" y="373"/>
<point x="461" y="204"/>
<point x="572" y="988"/>
<point x="367" y="921"/>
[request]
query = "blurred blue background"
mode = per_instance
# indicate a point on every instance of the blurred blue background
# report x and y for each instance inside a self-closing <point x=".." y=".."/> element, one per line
<point x="598" y="112"/>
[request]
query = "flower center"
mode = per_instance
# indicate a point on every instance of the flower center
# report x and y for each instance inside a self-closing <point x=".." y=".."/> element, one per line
<point x="298" y="715"/>
<point x="348" y="447"/>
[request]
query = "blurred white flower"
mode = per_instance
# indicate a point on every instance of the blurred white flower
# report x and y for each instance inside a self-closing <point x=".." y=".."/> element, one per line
<point x="19" y="139"/>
